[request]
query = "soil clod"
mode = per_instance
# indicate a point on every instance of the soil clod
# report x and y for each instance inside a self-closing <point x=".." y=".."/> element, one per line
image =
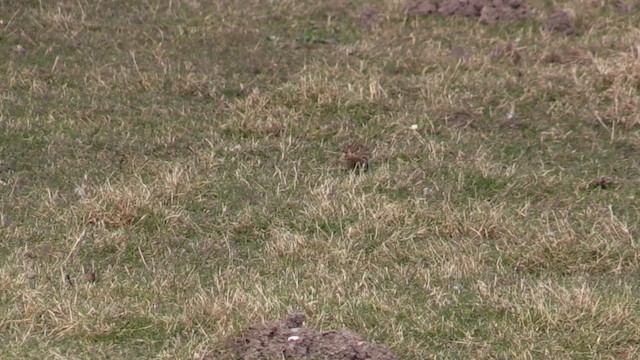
<point x="601" y="183"/>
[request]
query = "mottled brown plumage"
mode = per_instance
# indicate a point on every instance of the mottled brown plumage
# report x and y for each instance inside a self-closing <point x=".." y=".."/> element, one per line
<point x="356" y="157"/>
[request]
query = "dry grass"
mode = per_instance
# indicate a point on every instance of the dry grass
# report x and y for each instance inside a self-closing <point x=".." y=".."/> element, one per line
<point x="187" y="153"/>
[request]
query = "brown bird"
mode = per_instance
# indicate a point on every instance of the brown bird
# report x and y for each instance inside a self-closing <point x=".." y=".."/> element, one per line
<point x="356" y="157"/>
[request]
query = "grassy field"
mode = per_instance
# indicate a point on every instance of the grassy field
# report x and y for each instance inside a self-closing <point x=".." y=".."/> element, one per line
<point x="170" y="174"/>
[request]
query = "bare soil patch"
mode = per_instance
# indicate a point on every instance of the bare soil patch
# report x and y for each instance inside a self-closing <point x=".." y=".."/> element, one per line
<point x="560" y="22"/>
<point x="356" y="157"/>
<point x="288" y="339"/>
<point x="369" y="17"/>
<point x="488" y="11"/>
<point x="567" y="56"/>
<point x="603" y="183"/>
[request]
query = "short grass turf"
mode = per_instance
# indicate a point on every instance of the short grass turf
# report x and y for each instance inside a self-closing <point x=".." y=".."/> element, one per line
<point x="170" y="174"/>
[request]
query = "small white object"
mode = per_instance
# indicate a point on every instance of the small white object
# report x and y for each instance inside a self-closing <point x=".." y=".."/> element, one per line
<point x="510" y="115"/>
<point x="80" y="192"/>
<point x="21" y="50"/>
<point x="294" y="338"/>
<point x="457" y="287"/>
<point x="414" y="127"/>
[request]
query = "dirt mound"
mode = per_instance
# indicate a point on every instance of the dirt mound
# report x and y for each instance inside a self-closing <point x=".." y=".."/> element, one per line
<point x="504" y="10"/>
<point x="487" y="10"/>
<point x="289" y="340"/>
<point x="560" y="22"/>
<point x="369" y="17"/>
<point x="470" y="8"/>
